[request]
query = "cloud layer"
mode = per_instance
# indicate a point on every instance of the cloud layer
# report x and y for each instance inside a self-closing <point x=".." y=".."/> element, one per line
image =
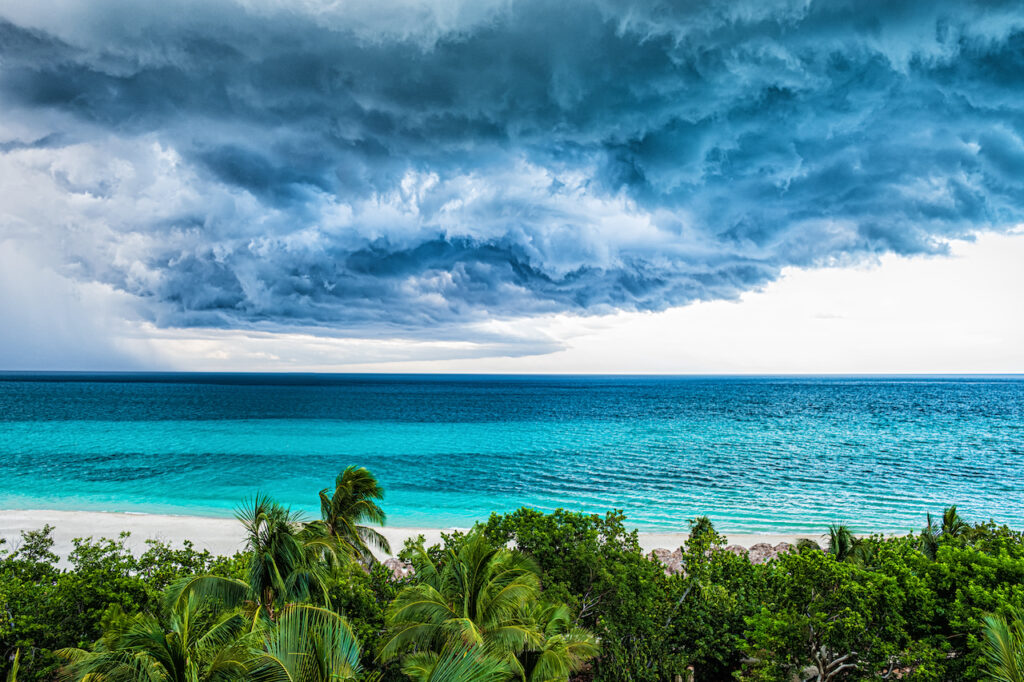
<point x="414" y="165"/>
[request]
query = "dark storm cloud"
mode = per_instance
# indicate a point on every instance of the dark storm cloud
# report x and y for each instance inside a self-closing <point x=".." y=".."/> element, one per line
<point x="417" y="164"/>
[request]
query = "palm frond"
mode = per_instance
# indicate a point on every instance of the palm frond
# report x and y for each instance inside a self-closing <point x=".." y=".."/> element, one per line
<point x="112" y="666"/>
<point x="928" y="542"/>
<point x="460" y="664"/>
<point x="515" y="637"/>
<point x="197" y="642"/>
<point x="419" y="665"/>
<point x="478" y="597"/>
<point x="371" y="537"/>
<point x="226" y="591"/>
<point x="952" y="524"/>
<point x="308" y="644"/>
<point x="346" y="507"/>
<point x="580" y="646"/>
<point x="565" y="648"/>
<point x="841" y="542"/>
<point x="421" y="603"/>
<point x="463" y="630"/>
<point x="401" y="638"/>
<point x="1004" y="647"/>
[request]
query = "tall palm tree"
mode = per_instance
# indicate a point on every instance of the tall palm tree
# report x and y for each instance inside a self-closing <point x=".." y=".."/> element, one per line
<point x="284" y="565"/>
<point x="1004" y="647"/>
<point x="197" y="644"/>
<point x="345" y="509"/>
<point x="480" y="596"/>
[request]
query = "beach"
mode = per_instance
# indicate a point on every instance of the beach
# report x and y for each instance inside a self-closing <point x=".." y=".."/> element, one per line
<point x="224" y="535"/>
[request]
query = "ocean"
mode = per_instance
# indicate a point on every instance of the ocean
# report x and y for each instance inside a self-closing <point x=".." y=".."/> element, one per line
<point x="756" y="454"/>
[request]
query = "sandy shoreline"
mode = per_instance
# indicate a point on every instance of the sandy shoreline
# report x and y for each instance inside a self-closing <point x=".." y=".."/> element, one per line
<point x="224" y="536"/>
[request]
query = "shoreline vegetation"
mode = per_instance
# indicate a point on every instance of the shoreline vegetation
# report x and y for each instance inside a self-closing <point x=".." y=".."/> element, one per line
<point x="226" y="536"/>
<point x="525" y="596"/>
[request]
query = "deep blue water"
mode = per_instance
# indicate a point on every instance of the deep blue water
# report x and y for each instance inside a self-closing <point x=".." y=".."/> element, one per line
<point x="753" y="453"/>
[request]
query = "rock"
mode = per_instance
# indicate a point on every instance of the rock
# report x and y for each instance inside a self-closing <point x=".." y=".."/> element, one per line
<point x="399" y="569"/>
<point x="672" y="561"/>
<point x="783" y="548"/>
<point x="761" y="553"/>
<point x="661" y="554"/>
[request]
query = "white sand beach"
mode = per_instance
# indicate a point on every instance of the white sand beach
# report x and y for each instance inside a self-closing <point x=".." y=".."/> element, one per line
<point x="224" y="536"/>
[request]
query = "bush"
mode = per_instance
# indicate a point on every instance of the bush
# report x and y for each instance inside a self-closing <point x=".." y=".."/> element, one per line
<point x="911" y="608"/>
<point x="45" y="608"/>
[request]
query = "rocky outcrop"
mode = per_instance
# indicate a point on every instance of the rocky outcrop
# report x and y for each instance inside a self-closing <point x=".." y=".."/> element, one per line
<point x="760" y="553"/>
<point x="672" y="561"/>
<point x="399" y="569"/>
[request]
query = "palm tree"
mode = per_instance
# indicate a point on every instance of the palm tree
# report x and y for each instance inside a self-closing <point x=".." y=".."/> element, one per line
<point x="929" y="541"/>
<point x="307" y="644"/>
<point x="198" y="644"/>
<point x="344" y="509"/>
<point x="201" y="644"/>
<point x="480" y="596"/>
<point x="566" y="647"/>
<point x="841" y="542"/>
<point x="1004" y="647"/>
<point x="283" y="565"/>
<point x="484" y="601"/>
<point x="953" y="525"/>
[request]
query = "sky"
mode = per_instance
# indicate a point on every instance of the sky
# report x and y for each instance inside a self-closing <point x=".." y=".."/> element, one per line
<point x="512" y="186"/>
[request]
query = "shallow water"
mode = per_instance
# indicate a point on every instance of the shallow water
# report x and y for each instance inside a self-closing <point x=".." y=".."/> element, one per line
<point x="754" y="453"/>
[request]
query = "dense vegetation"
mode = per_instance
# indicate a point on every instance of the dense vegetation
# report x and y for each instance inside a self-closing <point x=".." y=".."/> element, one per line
<point x="524" y="596"/>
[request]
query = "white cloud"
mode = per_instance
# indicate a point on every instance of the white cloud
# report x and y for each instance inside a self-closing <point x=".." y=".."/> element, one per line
<point x="940" y="314"/>
<point x="449" y="185"/>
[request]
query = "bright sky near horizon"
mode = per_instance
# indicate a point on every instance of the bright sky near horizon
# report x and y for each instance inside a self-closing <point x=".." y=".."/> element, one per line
<point x="956" y="314"/>
<point x="512" y="186"/>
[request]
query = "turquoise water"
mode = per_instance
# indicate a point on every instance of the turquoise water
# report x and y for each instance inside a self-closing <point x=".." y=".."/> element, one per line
<point x="756" y="454"/>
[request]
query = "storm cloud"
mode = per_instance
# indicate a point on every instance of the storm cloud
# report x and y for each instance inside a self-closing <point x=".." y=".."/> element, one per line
<point x="400" y="167"/>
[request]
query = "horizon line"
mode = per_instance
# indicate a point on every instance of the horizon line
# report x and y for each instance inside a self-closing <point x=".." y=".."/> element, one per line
<point x="89" y="372"/>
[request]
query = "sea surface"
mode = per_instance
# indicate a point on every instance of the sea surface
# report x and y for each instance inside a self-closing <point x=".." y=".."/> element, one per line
<point x="756" y="454"/>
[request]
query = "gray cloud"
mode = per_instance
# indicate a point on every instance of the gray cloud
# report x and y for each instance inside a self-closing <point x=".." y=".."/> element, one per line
<point x="419" y="165"/>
